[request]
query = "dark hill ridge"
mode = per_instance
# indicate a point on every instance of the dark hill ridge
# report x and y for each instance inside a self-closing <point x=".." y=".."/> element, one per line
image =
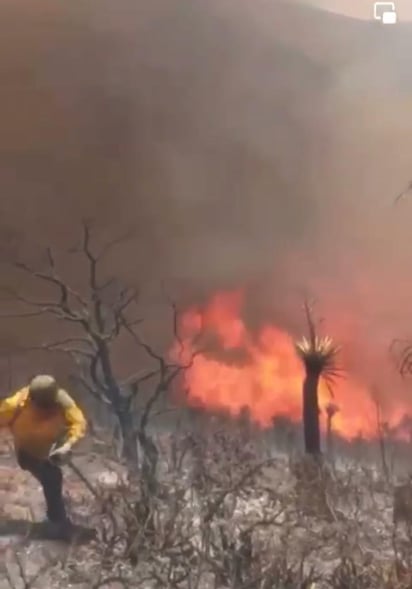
<point x="95" y="101"/>
<point x="161" y="110"/>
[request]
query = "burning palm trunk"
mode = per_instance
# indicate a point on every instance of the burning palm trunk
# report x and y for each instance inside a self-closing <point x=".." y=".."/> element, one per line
<point x="318" y="357"/>
<point x="331" y="410"/>
<point x="311" y="412"/>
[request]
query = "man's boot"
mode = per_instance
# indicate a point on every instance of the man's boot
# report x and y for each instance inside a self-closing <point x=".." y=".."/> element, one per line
<point x="60" y="529"/>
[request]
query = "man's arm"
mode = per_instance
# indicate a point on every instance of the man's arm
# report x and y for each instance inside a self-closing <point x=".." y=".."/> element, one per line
<point x="76" y="421"/>
<point x="10" y="405"/>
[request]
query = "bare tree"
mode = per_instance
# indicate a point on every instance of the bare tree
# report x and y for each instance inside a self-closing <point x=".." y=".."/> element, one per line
<point x="100" y="317"/>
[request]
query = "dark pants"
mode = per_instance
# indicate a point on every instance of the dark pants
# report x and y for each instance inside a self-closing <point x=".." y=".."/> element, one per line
<point x="51" y="479"/>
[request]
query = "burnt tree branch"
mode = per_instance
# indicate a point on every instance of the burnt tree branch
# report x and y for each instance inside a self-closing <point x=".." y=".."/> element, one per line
<point x="100" y="316"/>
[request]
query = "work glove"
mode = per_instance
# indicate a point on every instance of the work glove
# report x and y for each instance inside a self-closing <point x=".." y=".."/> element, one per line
<point x="60" y="455"/>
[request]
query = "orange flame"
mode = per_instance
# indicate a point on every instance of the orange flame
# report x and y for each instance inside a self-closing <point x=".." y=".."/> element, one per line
<point x="260" y="371"/>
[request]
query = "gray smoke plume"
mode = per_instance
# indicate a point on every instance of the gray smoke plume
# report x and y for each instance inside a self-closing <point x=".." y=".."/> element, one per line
<point x="257" y="144"/>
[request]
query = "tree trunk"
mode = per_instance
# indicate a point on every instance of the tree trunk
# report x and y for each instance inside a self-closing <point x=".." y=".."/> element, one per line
<point x="127" y="429"/>
<point x="150" y="459"/>
<point x="311" y="413"/>
<point x="329" y="438"/>
<point x="121" y="407"/>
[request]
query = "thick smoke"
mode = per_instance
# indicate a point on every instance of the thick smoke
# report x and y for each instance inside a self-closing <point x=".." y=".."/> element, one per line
<point x="256" y="144"/>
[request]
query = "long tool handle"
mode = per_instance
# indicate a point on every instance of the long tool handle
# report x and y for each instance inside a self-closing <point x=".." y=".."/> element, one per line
<point x="83" y="478"/>
<point x="78" y="473"/>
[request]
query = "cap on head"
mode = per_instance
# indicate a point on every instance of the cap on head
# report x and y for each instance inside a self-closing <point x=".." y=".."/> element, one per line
<point x="43" y="389"/>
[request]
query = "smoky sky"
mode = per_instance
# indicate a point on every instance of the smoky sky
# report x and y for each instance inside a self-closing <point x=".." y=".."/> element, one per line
<point x="256" y="144"/>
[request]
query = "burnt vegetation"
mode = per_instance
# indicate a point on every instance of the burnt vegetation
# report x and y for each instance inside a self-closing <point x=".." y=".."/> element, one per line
<point x="208" y="502"/>
<point x="98" y="318"/>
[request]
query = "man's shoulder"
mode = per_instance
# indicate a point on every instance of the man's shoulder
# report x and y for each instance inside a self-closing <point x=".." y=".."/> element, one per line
<point x="21" y="395"/>
<point x="64" y="400"/>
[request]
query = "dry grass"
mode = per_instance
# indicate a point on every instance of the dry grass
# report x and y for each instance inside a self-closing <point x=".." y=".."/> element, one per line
<point x="225" y="517"/>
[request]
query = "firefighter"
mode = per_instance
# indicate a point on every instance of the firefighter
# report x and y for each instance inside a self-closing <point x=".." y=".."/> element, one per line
<point x="45" y="423"/>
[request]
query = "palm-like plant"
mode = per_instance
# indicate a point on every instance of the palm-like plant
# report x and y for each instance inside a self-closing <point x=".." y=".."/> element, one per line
<point x="318" y="355"/>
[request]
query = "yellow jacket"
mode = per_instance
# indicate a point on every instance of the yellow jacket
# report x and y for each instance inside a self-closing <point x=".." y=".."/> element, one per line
<point x="36" y="430"/>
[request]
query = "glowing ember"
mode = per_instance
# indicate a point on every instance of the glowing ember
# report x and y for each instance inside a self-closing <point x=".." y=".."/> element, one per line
<point x="260" y="371"/>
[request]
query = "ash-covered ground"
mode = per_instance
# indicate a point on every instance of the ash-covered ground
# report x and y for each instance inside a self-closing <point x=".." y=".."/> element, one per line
<point x="230" y="508"/>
